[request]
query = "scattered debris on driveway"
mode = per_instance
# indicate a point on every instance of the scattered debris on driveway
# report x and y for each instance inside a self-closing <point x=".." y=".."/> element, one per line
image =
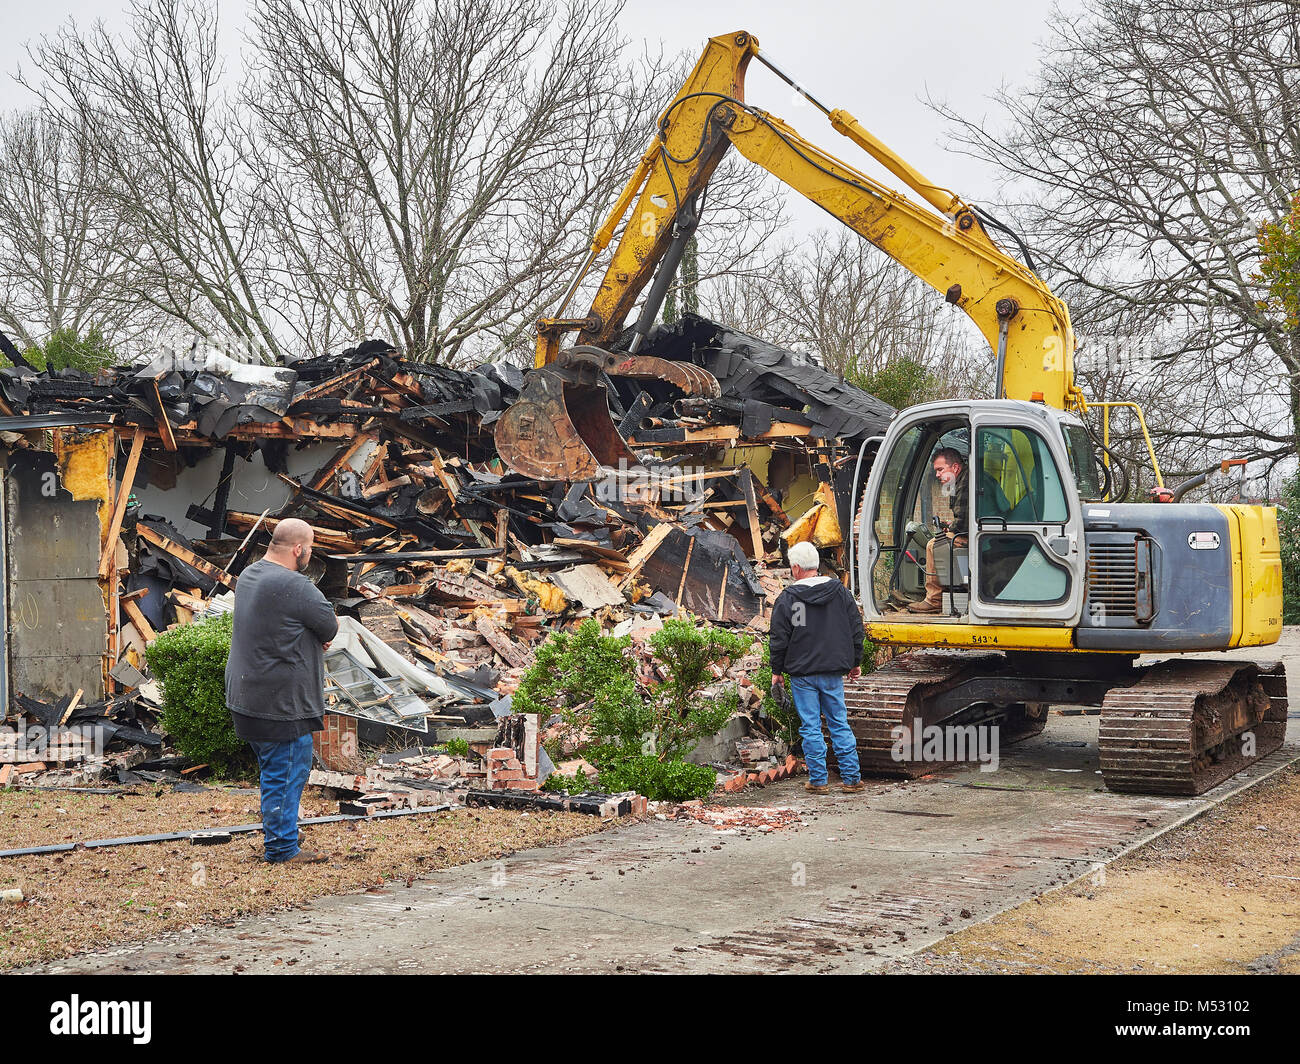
<point x="740" y="818"/>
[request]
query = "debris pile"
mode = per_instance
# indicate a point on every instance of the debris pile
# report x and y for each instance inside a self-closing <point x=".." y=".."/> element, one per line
<point x="447" y="568"/>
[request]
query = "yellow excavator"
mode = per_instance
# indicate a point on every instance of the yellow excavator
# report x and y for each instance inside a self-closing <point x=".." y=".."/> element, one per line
<point x="1055" y="589"/>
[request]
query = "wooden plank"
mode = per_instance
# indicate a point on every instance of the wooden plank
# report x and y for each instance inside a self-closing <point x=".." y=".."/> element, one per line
<point x="401" y="591"/>
<point x="686" y="568"/>
<point x="76" y="701"/>
<point x="106" y="559"/>
<point x="501" y="643"/>
<point x="778" y="511"/>
<point x="185" y="599"/>
<point x="691" y="478"/>
<point x="751" y="507"/>
<point x="354" y="514"/>
<point x="220" y="504"/>
<point x="333" y="384"/>
<point x="646" y="548"/>
<point x="324" y="537"/>
<point x="341" y="459"/>
<point x="419" y="555"/>
<point x="384" y="487"/>
<point x="503" y="526"/>
<point x="177" y="551"/>
<point x="141" y="623"/>
<point x="164" y="425"/>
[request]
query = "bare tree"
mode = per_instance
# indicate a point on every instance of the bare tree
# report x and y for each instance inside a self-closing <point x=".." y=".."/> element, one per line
<point x="153" y="110"/>
<point x="61" y="261"/>
<point x="437" y="169"/>
<point x="1155" y="138"/>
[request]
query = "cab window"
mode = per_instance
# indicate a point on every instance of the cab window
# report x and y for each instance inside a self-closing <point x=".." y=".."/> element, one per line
<point x="1017" y="480"/>
<point x="1083" y="461"/>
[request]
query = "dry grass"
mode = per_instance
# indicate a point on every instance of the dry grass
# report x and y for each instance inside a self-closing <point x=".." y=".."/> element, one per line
<point x="94" y="899"/>
<point x="1221" y="895"/>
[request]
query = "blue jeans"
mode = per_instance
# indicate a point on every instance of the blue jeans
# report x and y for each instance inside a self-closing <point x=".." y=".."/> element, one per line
<point x="817" y="696"/>
<point x="283" y="769"/>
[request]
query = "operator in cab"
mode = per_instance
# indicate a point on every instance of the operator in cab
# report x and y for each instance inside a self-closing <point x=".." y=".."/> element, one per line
<point x="950" y="471"/>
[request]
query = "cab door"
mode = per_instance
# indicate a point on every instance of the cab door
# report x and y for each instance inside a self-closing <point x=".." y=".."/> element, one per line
<point x="1026" y="556"/>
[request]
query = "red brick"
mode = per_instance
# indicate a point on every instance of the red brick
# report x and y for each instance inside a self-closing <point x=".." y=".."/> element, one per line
<point x="508" y="774"/>
<point x="336" y="743"/>
<point x="522" y="785"/>
<point x="6" y="772"/>
<point x="501" y="753"/>
<point x="31" y="766"/>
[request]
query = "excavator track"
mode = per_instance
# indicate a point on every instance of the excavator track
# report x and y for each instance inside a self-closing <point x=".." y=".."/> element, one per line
<point x="898" y="694"/>
<point x="1187" y="726"/>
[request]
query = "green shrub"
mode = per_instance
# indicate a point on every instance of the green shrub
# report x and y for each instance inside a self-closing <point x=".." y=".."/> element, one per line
<point x="590" y="680"/>
<point x="680" y="716"/>
<point x="902" y="382"/>
<point x="575" y="784"/>
<point x="457" y="747"/>
<point x="65" y="349"/>
<point x="190" y="664"/>
<point x="587" y="678"/>
<point x="660" y="781"/>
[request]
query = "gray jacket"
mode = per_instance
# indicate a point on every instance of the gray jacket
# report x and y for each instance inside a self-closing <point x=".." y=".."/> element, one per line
<point x="276" y="667"/>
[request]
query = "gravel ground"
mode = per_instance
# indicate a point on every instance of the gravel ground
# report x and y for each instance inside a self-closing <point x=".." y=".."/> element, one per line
<point x="93" y="899"/>
<point x="1218" y="895"/>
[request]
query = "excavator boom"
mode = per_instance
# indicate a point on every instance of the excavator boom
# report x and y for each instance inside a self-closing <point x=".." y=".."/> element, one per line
<point x="560" y="428"/>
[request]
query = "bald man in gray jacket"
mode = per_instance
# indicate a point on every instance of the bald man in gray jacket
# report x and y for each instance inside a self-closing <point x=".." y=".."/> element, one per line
<point x="275" y="679"/>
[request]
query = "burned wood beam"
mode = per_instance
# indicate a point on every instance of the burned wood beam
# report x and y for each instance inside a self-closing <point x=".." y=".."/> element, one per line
<point x="420" y="555"/>
<point x="13" y="354"/>
<point x="437" y="410"/>
<point x="217" y="524"/>
<point x="331" y="467"/>
<point x="188" y="556"/>
<point x="333" y="384"/>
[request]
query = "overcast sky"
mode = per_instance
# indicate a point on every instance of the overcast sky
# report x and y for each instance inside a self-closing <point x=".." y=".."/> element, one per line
<point x="875" y="59"/>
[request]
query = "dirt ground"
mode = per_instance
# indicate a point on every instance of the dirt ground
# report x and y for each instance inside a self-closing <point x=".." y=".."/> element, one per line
<point x="94" y="899"/>
<point x="1218" y="895"/>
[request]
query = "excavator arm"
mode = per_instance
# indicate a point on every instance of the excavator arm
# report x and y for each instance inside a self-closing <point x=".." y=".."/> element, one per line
<point x="944" y="244"/>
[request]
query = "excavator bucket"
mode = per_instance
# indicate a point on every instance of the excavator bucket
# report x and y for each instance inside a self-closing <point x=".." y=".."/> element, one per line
<point x="560" y="427"/>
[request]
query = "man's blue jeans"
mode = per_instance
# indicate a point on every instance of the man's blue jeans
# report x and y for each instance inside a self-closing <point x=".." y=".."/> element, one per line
<point x="817" y="696"/>
<point x="283" y="768"/>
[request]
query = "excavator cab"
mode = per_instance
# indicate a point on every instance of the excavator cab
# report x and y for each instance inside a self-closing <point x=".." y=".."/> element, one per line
<point x="1018" y="561"/>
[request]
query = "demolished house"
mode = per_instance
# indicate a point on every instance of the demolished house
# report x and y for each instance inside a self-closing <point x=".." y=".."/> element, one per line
<point x="133" y="500"/>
